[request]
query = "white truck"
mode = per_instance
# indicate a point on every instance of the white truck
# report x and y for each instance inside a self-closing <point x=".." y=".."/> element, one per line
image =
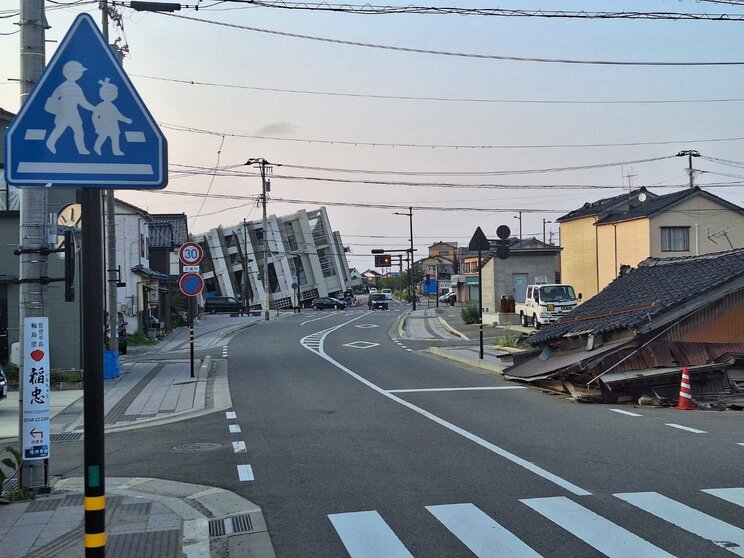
<point x="546" y="304"/>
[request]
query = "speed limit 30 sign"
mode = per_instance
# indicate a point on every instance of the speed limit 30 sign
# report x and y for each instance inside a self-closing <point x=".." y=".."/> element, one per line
<point x="190" y="253"/>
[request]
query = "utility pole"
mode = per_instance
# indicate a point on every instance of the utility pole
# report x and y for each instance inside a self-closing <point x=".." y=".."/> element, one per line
<point x="263" y="164"/>
<point x="33" y="230"/>
<point x="545" y="221"/>
<point x="520" y="224"/>
<point x="244" y="251"/>
<point x="690" y="153"/>
<point x="411" y="293"/>
<point x="113" y="323"/>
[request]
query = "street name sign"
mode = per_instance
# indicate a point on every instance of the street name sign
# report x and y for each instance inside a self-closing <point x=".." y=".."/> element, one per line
<point x="190" y="253"/>
<point x="84" y="124"/>
<point x="191" y="284"/>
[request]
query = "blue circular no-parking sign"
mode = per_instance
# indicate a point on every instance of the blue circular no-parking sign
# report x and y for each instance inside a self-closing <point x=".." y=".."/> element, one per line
<point x="191" y="284"/>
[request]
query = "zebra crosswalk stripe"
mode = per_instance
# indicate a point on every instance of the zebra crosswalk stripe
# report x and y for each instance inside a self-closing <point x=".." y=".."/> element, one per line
<point x="366" y="535"/>
<point x="733" y="495"/>
<point x="598" y="532"/>
<point x="482" y="535"/>
<point x="718" y="532"/>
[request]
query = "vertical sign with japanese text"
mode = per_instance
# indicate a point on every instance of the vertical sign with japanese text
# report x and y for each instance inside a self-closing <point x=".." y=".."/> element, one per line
<point x="35" y="379"/>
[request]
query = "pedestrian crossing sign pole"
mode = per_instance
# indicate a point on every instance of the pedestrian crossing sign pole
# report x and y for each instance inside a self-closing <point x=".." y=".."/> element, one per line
<point x="85" y="126"/>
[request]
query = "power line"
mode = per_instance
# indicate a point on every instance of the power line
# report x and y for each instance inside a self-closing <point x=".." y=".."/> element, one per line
<point x="192" y="130"/>
<point x="452" y="53"/>
<point x="368" y="9"/>
<point x="441" y="99"/>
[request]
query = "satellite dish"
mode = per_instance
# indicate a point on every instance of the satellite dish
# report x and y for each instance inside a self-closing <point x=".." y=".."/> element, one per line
<point x="642" y="197"/>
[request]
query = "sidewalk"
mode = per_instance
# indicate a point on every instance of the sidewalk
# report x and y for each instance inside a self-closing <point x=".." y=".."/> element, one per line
<point x="446" y="323"/>
<point x="146" y="518"/>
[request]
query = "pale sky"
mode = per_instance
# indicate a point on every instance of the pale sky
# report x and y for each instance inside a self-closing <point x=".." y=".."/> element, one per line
<point x="340" y="106"/>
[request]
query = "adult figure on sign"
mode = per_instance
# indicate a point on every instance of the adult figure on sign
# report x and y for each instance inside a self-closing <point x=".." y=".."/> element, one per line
<point x="63" y="103"/>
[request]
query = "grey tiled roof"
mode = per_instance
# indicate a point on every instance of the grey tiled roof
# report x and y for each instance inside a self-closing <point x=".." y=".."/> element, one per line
<point x="653" y="288"/>
<point x="604" y="205"/>
<point x="654" y="205"/>
<point x="178" y="224"/>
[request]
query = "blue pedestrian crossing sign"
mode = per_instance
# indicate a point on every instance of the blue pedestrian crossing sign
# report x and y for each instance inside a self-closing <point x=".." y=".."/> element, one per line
<point x="84" y="124"/>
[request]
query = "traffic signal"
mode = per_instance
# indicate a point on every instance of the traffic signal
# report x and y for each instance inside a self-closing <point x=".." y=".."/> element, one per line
<point x="383" y="260"/>
<point x="502" y="249"/>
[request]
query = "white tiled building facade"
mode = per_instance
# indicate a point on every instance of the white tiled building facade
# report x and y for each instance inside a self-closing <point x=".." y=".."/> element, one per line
<point x="302" y="250"/>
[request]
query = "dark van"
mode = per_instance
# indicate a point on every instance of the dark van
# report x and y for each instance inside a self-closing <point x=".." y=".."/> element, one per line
<point x="228" y="304"/>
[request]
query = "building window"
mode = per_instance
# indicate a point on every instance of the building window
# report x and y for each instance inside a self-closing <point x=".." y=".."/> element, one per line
<point x="10" y="197"/>
<point x="326" y="263"/>
<point x="675" y="239"/>
<point x="291" y="238"/>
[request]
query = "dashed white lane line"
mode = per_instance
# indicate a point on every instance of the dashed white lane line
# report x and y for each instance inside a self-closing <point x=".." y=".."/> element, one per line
<point x="409" y="350"/>
<point x="686" y="428"/>
<point x="234" y="428"/>
<point x="625" y="413"/>
<point x="239" y="447"/>
<point x="245" y="473"/>
<point x="230" y="415"/>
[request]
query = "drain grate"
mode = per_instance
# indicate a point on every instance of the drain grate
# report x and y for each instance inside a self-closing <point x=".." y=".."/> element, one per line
<point x="67" y="437"/>
<point x="230" y="525"/>
<point x="242" y="523"/>
<point x="217" y="528"/>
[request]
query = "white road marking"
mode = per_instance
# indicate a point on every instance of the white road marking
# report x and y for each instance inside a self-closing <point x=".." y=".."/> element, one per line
<point x="409" y="350"/>
<point x="482" y="535"/>
<point x="625" y="413"/>
<point x="490" y="388"/>
<point x="230" y="415"/>
<point x="361" y="345"/>
<point x="740" y="444"/>
<point x="596" y="531"/>
<point x="239" y="447"/>
<point x="733" y="495"/>
<point x="319" y="337"/>
<point x="686" y="428"/>
<point x="245" y="473"/>
<point x="234" y="428"/>
<point x="716" y="531"/>
<point x="366" y="535"/>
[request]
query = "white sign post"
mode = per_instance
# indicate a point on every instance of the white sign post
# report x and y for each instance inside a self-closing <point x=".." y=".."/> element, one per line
<point x="35" y="421"/>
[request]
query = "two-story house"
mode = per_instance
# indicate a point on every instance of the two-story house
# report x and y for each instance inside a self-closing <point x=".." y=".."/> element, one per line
<point x="601" y="237"/>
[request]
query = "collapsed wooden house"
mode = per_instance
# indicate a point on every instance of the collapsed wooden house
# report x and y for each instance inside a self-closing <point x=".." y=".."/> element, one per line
<point x="632" y="339"/>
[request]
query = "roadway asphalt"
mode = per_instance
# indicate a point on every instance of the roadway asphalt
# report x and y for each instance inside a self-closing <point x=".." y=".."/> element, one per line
<point x="155" y="391"/>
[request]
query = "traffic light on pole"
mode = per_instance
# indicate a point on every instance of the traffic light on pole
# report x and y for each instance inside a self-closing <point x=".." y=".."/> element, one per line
<point x="383" y="260"/>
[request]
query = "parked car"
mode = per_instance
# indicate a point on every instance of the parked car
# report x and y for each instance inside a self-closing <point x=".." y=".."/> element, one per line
<point x="448" y="298"/>
<point x="326" y="302"/>
<point x="121" y="333"/>
<point x="3" y="384"/>
<point x="377" y="301"/>
<point x="388" y="293"/>
<point x="214" y="304"/>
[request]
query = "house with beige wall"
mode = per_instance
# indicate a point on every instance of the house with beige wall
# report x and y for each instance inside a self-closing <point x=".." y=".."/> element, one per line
<point x="601" y="237"/>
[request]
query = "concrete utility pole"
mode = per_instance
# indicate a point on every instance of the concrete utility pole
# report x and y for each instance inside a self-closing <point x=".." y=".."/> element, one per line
<point x="690" y="153"/>
<point x="263" y="164"/>
<point x="113" y="322"/>
<point x="33" y="230"/>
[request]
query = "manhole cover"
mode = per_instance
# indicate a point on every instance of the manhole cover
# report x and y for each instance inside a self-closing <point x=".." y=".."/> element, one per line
<point x="197" y="446"/>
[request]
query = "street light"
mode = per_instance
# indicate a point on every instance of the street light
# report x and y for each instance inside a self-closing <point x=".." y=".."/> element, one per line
<point x="411" y="294"/>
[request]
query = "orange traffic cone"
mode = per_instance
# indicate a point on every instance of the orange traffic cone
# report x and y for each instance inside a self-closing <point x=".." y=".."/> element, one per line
<point x="685" y="393"/>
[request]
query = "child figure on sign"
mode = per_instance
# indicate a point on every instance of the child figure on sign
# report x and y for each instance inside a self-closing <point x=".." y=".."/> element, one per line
<point x="106" y="118"/>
